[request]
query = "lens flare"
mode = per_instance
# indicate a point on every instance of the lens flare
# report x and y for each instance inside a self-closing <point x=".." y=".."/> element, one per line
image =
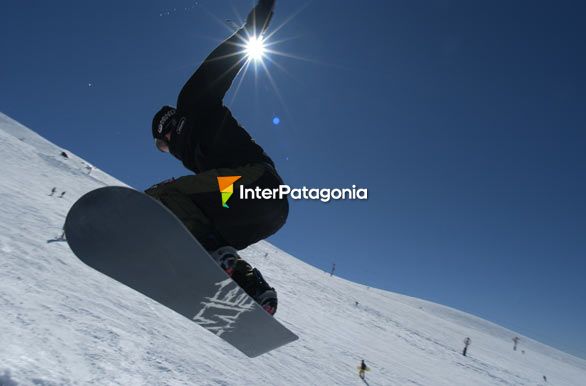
<point x="255" y="48"/>
<point x="256" y="55"/>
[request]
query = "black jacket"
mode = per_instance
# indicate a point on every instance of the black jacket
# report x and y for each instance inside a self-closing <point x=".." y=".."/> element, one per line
<point x="207" y="136"/>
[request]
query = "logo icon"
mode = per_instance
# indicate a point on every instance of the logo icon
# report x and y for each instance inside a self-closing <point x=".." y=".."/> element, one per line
<point x="226" y="185"/>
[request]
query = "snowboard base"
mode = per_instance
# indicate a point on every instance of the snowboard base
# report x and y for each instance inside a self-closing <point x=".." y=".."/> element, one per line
<point x="135" y="240"/>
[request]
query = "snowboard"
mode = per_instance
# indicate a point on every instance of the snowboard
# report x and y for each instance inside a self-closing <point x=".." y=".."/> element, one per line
<point x="135" y="240"/>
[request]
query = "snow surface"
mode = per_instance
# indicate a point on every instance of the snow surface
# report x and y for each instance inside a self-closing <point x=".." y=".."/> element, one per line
<point x="64" y="324"/>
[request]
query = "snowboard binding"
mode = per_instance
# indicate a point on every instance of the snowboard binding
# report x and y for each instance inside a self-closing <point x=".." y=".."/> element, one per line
<point x="248" y="278"/>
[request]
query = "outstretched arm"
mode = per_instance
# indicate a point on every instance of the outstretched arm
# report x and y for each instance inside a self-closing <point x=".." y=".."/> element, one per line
<point x="213" y="78"/>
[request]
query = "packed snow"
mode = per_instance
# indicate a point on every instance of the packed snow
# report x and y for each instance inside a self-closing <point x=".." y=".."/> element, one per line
<point x="64" y="324"/>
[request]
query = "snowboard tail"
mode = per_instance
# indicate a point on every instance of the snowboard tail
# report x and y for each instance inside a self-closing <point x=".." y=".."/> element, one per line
<point x="135" y="240"/>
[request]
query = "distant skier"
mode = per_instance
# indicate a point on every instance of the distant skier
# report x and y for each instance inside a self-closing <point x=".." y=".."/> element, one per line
<point x="202" y="133"/>
<point x="362" y="369"/>
<point x="52" y="192"/>
<point x="467" y="342"/>
<point x="515" y="342"/>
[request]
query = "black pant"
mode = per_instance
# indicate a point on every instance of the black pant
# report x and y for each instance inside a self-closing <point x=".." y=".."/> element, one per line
<point x="197" y="202"/>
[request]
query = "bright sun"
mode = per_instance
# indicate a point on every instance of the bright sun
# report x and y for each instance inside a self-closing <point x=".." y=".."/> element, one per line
<point x="255" y="48"/>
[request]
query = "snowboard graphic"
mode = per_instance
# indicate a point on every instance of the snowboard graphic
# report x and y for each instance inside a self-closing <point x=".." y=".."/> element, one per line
<point x="135" y="240"/>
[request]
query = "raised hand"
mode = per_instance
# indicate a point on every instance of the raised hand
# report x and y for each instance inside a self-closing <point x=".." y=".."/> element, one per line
<point x="260" y="16"/>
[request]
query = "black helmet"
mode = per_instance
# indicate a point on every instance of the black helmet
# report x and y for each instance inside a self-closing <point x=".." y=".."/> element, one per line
<point x="164" y="121"/>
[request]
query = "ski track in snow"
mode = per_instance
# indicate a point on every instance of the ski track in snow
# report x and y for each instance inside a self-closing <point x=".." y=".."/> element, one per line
<point x="65" y="324"/>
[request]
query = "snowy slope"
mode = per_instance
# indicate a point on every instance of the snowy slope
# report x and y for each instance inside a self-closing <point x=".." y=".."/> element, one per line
<point x="62" y="323"/>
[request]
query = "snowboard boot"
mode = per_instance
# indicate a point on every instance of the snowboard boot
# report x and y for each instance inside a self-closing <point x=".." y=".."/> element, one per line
<point x="248" y="278"/>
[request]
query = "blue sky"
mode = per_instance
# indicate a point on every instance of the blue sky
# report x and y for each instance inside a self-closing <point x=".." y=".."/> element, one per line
<point x="465" y="120"/>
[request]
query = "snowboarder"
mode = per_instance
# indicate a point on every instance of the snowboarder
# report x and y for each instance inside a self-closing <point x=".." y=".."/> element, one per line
<point x="467" y="342"/>
<point x="362" y="369"/>
<point x="203" y="135"/>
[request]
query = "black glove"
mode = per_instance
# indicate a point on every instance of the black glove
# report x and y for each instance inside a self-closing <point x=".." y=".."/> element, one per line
<point x="259" y="18"/>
